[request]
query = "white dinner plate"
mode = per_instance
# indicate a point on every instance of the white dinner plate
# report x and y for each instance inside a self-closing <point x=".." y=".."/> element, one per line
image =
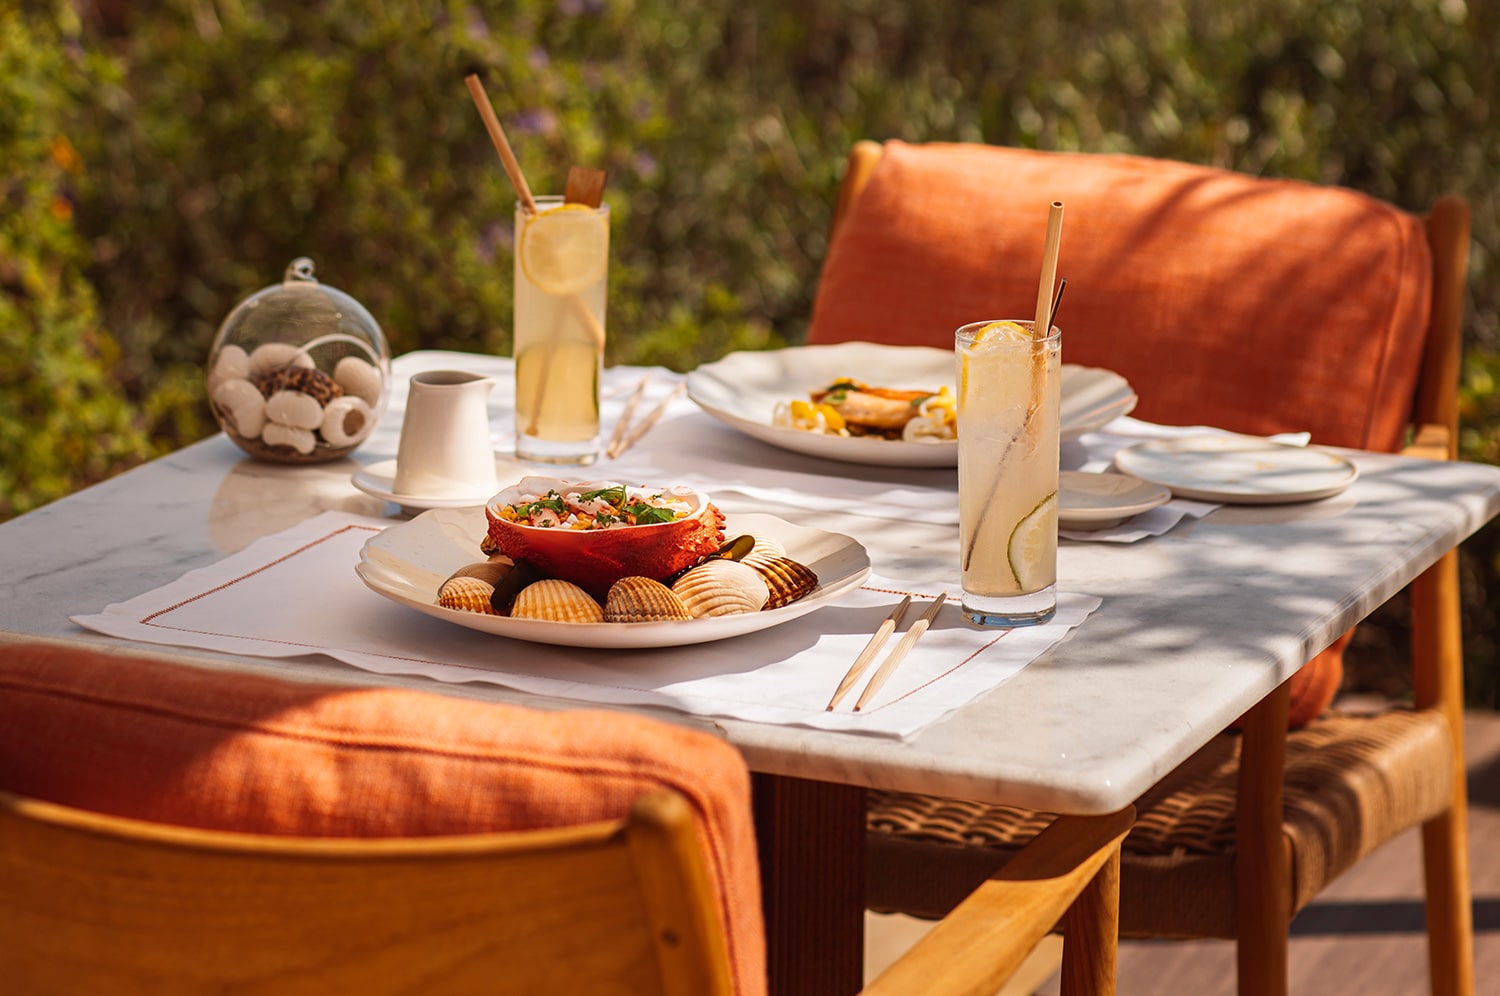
<point x="1243" y="470"/>
<point x="1097" y="501"/>
<point x="379" y="479"/>
<point x="743" y="389"/>
<point x="409" y="561"/>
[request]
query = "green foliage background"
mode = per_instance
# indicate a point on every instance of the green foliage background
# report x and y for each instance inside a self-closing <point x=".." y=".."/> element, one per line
<point x="164" y="160"/>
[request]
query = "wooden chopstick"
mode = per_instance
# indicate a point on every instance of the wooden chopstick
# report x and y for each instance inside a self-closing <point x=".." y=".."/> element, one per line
<point x="889" y="664"/>
<point x="857" y="669"/>
<point x="624" y="422"/>
<point x="645" y="424"/>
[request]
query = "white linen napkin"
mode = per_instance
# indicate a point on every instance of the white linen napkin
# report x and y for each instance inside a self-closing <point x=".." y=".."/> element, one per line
<point x="296" y="592"/>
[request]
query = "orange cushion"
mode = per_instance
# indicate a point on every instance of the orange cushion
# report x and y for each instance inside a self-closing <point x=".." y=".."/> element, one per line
<point x="159" y="741"/>
<point x="1251" y="304"/>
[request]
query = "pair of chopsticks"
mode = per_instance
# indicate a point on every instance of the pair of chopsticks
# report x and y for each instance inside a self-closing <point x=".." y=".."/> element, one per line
<point x="625" y="435"/>
<point x="862" y="662"/>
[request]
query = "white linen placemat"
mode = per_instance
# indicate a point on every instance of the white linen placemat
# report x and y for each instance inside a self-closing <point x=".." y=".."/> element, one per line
<point x="295" y="592"/>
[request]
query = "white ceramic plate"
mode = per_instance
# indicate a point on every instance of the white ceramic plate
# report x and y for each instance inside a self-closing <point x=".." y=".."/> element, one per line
<point x="378" y="480"/>
<point x="1098" y="501"/>
<point x="743" y="389"/>
<point x="409" y="561"/>
<point x="1242" y="470"/>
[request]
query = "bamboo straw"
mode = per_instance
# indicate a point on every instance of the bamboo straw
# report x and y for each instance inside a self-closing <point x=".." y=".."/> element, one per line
<point x="1043" y="324"/>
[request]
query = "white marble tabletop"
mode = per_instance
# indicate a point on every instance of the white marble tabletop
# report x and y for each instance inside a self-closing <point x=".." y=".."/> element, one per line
<point x="1195" y="627"/>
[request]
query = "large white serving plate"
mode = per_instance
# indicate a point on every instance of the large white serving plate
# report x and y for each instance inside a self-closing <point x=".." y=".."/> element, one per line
<point x="743" y="389"/>
<point x="1243" y="470"/>
<point x="408" y="562"/>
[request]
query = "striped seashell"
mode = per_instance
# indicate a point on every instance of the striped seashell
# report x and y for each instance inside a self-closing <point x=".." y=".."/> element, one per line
<point x="765" y="546"/>
<point x="721" y="588"/>
<point x="468" y="594"/>
<point x="489" y="571"/>
<point x="786" y="579"/>
<point x="643" y="600"/>
<point x="556" y="601"/>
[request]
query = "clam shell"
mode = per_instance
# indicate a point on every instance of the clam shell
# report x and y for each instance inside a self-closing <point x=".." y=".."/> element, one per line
<point x="301" y="440"/>
<point x="270" y="357"/>
<point x="786" y="579"/>
<point x="467" y="593"/>
<point x="489" y="571"/>
<point x="358" y="378"/>
<point x="643" y="600"/>
<point x="242" y="407"/>
<point x="721" y="588"/>
<point x="557" y="601"/>
<point x="294" y="409"/>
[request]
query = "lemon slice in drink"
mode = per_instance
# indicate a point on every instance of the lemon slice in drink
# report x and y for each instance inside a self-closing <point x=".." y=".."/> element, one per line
<point x="565" y="249"/>
<point x="1002" y="332"/>
<point x="1029" y="541"/>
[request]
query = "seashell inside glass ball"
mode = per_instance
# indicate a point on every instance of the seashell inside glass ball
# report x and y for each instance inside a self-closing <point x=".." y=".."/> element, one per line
<point x="299" y="372"/>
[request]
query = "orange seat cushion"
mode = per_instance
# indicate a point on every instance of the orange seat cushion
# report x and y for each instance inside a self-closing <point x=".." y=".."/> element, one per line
<point x="1250" y="304"/>
<point x="1255" y="305"/>
<point x="222" y="750"/>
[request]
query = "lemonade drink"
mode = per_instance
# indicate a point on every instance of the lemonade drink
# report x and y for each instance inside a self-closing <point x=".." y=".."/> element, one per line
<point x="562" y="263"/>
<point x="1009" y="392"/>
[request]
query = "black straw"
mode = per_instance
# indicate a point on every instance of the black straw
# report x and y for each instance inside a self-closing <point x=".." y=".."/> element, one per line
<point x="1057" y="298"/>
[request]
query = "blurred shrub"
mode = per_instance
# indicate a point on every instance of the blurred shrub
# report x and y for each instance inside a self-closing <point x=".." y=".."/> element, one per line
<point x="222" y="138"/>
<point x="64" y="422"/>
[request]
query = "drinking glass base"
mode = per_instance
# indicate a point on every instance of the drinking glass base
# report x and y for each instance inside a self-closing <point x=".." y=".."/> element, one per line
<point x="1011" y="611"/>
<point x="569" y="454"/>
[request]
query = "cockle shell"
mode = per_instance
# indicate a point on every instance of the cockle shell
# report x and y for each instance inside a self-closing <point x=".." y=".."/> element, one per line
<point x="765" y="546"/>
<point x="721" y="588"/>
<point x="557" y="601"/>
<point x="295" y="409"/>
<point x="242" y="407"/>
<point x="638" y="599"/>
<point x="346" y="420"/>
<point x="488" y="571"/>
<point x="469" y="594"/>
<point x="358" y="378"/>
<point x="787" y="579"/>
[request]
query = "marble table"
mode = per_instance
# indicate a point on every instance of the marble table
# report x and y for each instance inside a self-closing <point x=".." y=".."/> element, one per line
<point x="1196" y="626"/>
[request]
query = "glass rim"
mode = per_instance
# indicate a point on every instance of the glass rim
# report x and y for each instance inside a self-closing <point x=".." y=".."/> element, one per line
<point x="968" y="330"/>
<point x="553" y="200"/>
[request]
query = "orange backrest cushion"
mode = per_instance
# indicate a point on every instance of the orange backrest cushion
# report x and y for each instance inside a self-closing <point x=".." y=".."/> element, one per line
<point x="159" y="741"/>
<point x="1250" y="304"/>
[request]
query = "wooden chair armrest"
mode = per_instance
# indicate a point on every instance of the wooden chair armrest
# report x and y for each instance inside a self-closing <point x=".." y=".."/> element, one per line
<point x="975" y="948"/>
<point x="1431" y="442"/>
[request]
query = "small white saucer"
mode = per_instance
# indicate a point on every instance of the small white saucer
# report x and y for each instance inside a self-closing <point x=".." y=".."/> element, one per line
<point x="379" y="479"/>
<point x="1088" y="501"/>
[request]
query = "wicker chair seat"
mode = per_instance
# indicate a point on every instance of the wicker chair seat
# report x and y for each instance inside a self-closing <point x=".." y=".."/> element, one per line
<point x="1352" y="782"/>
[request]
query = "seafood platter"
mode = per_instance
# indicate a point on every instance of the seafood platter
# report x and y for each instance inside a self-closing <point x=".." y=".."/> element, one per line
<point x="600" y="563"/>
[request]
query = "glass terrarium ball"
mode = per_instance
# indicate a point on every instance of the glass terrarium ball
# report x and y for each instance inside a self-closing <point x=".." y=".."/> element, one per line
<point x="299" y="372"/>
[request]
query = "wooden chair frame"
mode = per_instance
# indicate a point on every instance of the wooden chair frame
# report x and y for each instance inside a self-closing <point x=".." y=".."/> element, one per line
<point x="94" y="903"/>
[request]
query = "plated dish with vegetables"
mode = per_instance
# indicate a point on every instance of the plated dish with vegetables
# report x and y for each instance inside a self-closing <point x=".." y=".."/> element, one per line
<point x="862" y="402"/>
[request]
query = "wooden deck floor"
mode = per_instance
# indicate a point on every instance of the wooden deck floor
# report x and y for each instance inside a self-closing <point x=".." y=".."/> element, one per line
<point x="1363" y="935"/>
